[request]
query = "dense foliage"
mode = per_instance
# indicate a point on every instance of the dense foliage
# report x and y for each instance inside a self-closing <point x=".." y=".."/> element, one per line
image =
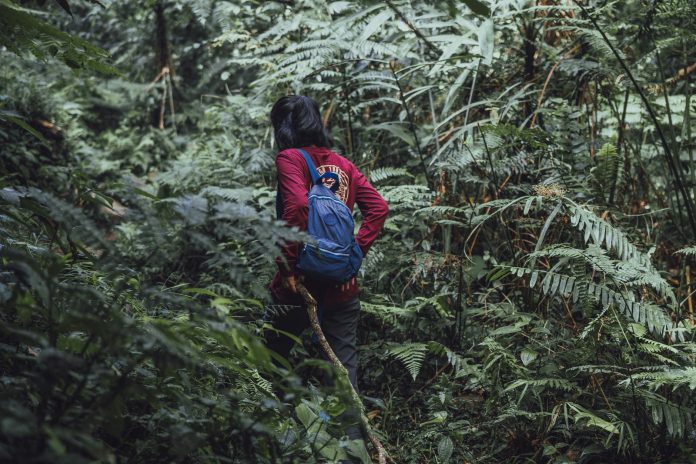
<point x="531" y="298"/>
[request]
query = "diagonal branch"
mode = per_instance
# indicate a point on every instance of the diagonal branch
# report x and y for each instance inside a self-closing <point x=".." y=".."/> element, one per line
<point x="410" y="25"/>
<point x="316" y="327"/>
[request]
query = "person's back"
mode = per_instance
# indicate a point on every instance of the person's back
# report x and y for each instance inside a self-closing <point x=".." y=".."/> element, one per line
<point x="294" y="181"/>
<point x="297" y="125"/>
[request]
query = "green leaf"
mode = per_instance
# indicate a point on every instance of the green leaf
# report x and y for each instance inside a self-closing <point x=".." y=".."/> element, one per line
<point x="376" y="23"/>
<point x="411" y="355"/>
<point x="507" y="329"/>
<point x="193" y="208"/>
<point x="547" y="224"/>
<point x="528" y="205"/>
<point x="356" y="449"/>
<point x="478" y="7"/>
<point x="528" y="356"/>
<point x="65" y="5"/>
<point x="6" y="115"/>
<point x="445" y="448"/>
<point x="486" y="40"/>
<point x="42" y="40"/>
<point x="438" y="418"/>
<point x="396" y="129"/>
<point x="305" y="415"/>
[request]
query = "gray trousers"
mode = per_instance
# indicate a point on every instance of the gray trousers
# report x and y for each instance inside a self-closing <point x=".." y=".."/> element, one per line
<point x="339" y="322"/>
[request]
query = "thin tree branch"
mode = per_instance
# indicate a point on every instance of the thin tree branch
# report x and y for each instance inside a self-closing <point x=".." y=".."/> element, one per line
<point x="411" y="124"/>
<point x="316" y="327"/>
<point x="410" y="25"/>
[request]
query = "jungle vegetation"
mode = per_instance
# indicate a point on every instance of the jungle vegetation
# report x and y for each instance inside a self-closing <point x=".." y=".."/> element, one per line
<point x="530" y="300"/>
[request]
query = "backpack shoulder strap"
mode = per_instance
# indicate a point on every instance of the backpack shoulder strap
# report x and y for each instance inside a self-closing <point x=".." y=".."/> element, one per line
<point x="310" y="164"/>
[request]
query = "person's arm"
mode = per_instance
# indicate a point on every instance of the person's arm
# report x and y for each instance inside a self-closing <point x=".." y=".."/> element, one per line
<point x="292" y="185"/>
<point x="374" y="211"/>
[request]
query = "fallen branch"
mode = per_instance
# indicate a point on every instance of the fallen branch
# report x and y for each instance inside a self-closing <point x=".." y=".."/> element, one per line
<point x="314" y="320"/>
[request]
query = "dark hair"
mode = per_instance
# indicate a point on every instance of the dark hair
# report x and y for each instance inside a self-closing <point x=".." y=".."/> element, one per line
<point x="297" y="123"/>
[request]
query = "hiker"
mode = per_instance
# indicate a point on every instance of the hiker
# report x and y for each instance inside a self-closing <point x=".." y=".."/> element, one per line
<point x="300" y="132"/>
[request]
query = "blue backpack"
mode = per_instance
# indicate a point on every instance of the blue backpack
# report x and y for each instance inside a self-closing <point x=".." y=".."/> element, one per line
<point x="334" y="254"/>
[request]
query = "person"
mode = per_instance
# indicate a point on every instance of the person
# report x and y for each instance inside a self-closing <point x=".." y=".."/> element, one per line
<point x="297" y="124"/>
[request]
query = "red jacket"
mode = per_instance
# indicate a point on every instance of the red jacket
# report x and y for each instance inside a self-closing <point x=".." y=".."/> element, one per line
<point x="294" y="181"/>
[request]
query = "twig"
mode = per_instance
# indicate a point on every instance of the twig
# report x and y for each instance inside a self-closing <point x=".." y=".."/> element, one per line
<point x="166" y="78"/>
<point x="497" y="187"/>
<point x="684" y="72"/>
<point x="542" y="93"/>
<point x="157" y="78"/>
<point x="687" y="272"/>
<point x="170" y="88"/>
<point x="328" y="112"/>
<point x="162" y="106"/>
<point x="410" y="25"/>
<point x="619" y="145"/>
<point x="411" y="124"/>
<point x="471" y="93"/>
<point x="349" y="110"/>
<point x="316" y="327"/>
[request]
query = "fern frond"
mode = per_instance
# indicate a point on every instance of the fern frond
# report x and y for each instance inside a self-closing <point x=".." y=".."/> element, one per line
<point x="411" y="355"/>
<point x="385" y="312"/>
<point x="677" y="419"/>
<point x="463" y="367"/>
<point x="608" y="173"/>
<point x="381" y="174"/>
<point x="673" y="378"/>
<point x="601" y="232"/>
<point x="687" y="251"/>
<point x="409" y="196"/>
<point x="543" y="384"/>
